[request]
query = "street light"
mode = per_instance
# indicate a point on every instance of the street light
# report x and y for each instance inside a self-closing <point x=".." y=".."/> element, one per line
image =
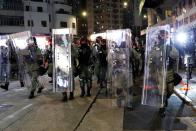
<point x="125" y="4"/>
<point x="145" y="16"/>
<point x="84" y="13"/>
<point x="182" y="37"/>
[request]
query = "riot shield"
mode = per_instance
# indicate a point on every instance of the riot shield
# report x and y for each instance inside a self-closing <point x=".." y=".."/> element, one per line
<point x="18" y="42"/>
<point x="118" y="44"/>
<point x="62" y="70"/>
<point x="154" y="85"/>
<point x="4" y="62"/>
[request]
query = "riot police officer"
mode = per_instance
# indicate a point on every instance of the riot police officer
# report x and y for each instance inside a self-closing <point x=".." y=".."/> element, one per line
<point x="85" y="67"/>
<point x="4" y="61"/>
<point x="134" y="55"/>
<point x="74" y="73"/>
<point x="170" y="62"/>
<point x="95" y="54"/>
<point x="34" y="66"/>
<point x="102" y="63"/>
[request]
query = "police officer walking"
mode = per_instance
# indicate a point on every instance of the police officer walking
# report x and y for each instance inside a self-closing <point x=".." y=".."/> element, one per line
<point x="171" y="59"/>
<point x="102" y="63"/>
<point x="85" y="67"/>
<point x="95" y="54"/>
<point x="34" y="66"/>
<point x="74" y="73"/>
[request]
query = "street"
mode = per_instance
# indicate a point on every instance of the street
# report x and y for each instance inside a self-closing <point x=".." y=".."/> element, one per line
<point x="97" y="65"/>
<point x="48" y="113"/>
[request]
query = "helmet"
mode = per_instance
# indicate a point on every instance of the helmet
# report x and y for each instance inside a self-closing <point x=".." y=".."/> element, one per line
<point x="98" y="39"/>
<point x="32" y="41"/>
<point x="163" y="34"/>
<point x="83" y="40"/>
<point x="104" y="41"/>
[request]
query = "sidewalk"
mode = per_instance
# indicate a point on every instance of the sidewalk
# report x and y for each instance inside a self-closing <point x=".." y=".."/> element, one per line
<point x="188" y="94"/>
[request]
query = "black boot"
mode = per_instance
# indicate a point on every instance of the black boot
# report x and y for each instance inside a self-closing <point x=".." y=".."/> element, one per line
<point x="5" y="87"/>
<point x="162" y="112"/>
<point x="82" y="92"/>
<point x="101" y="84"/>
<point x="40" y="90"/>
<point x="31" y="95"/>
<point x="21" y="84"/>
<point x="88" y="92"/>
<point x="89" y="85"/>
<point x="64" y="99"/>
<point x="71" y="96"/>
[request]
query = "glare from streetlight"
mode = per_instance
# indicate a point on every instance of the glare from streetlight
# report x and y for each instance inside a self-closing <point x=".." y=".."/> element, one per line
<point x="125" y="4"/>
<point x="181" y="37"/>
<point x="84" y="13"/>
<point x="145" y="16"/>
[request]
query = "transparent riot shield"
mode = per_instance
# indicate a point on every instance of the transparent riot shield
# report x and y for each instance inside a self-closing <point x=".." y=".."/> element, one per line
<point x="154" y="86"/>
<point x="4" y="62"/>
<point x="118" y="42"/>
<point x="62" y="78"/>
<point x="18" y="42"/>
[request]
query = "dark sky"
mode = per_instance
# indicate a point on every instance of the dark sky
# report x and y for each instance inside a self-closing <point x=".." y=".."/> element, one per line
<point x="80" y="3"/>
<point x="83" y="3"/>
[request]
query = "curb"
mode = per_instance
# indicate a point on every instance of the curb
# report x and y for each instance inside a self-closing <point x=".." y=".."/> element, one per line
<point x="185" y="98"/>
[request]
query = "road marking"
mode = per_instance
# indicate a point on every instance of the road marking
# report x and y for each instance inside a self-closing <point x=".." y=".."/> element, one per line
<point x="17" y="90"/>
<point x="7" y="121"/>
<point x="15" y="113"/>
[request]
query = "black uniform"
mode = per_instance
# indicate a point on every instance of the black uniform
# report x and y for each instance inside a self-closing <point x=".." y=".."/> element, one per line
<point x="102" y="65"/>
<point x="85" y="67"/>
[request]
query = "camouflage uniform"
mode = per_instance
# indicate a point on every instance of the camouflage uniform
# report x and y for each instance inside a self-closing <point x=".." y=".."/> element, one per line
<point x="33" y="69"/>
<point x="48" y="57"/>
<point x="134" y="55"/>
<point x="95" y="53"/>
<point x="4" y="71"/>
<point x="171" y="59"/>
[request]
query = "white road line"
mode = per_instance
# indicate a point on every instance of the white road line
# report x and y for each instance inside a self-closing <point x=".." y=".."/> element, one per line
<point x="15" y="113"/>
<point x="5" y="122"/>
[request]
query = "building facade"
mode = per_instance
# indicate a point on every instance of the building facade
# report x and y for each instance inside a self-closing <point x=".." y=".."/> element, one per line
<point x="184" y="14"/>
<point x="104" y="14"/>
<point x="38" y="16"/>
<point x="11" y="16"/>
<point x="114" y="14"/>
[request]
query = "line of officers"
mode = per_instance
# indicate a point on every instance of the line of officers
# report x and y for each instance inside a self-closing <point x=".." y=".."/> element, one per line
<point x="87" y="59"/>
<point x="90" y="59"/>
